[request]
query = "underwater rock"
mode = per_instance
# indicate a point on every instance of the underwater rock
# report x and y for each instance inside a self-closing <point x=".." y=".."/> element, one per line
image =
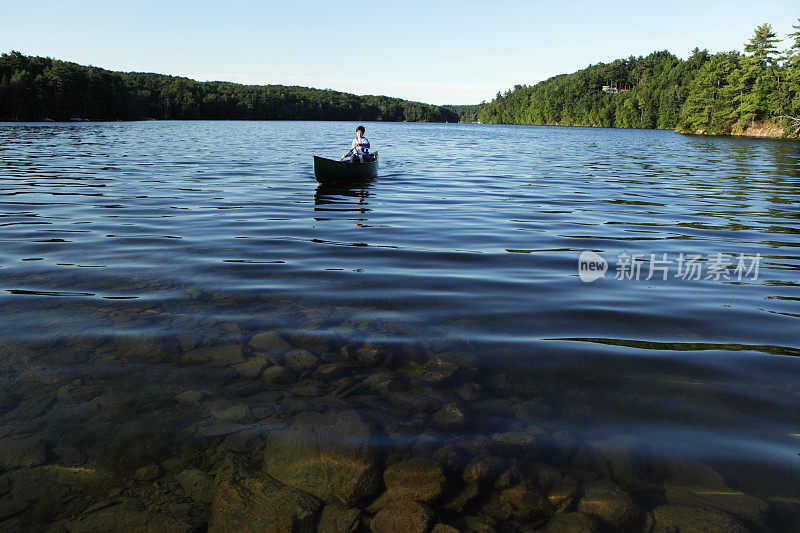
<point x="190" y="397"/>
<point x="382" y="380"/>
<point x="435" y="371"/>
<point x="144" y="348"/>
<point x="523" y="502"/>
<point x="221" y="429"/>
<point x="22" y="452"/>
<point x="301" y="360"/>
<point x="451" y="416"/>
<point x="270" y="342"/>
<point x="516" y="443"/>
<point x="372" y="354"/>
<point x="483" y="469"/>
<point x="244" y="502"/>
<point x="469" y="392"/>
<point x="461" y="499"/>
<point x="450" y="457"/>
<point x="246" y="442"/>
<point x="547" y="476"/>
<point x="572" y="522"/>
<point x="336" y="518"/>
<point x="328" y="455"/>
<point x="309" y="341"/>
<point x="196" y="484"/>
<point x="412" y="401"/>
<point x="510" y="477"/>
<point x="8" y="400"/>
<point x="127" y="516"/>
<point x="147" y="473"/>
<point x="671" y="518"/>
<point x="215" y="355"/>
<point x="79" y="391"/>
<point x="610" y="504"/>
<point x="331" y="371"/>
<point x="408" y="517"/>
<point x="229" y="411"/>
<point x="30" y="408"/>
<point x="478" y="524"/>
<point x="415" y="479"/>
<point x="733" y="502"/>
<point x="277" y="375"/>
<point x="252" y="368"/>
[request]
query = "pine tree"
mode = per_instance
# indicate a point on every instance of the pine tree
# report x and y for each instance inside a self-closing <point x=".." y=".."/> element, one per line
<point x="762" y="45"/>
<point x="793" y="54"/>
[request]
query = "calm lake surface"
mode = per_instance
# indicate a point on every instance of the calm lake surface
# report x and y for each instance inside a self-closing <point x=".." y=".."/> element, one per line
<point x="173" y="292"/>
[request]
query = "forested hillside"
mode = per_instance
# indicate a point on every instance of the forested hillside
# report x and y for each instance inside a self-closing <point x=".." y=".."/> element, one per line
<point x="35" y="88"/>
<point x="718" y="94"/>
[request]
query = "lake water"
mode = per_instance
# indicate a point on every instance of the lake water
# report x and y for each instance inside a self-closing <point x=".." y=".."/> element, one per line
<point x="177" y="293"/>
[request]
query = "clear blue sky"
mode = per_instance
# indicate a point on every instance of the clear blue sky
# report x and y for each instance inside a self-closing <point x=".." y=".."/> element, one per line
<point x="443" y="51"/>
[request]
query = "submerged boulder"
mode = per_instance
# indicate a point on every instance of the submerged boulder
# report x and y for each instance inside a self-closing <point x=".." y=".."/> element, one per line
<point x="670" y="518"/>
<point x="328" y="455"/>
<point x="244" y="502"/>
<point x="337" y="518"/>
<point x="408" y="517"/>
<point x="610" y="504"/>
<point x="415" y="479"/>
<point x="21" y="452"/>
<point x="270" y="342"/>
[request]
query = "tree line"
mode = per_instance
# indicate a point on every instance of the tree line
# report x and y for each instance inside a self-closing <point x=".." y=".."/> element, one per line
<point x="36" y="88"/>
<point x="719" y="93"/>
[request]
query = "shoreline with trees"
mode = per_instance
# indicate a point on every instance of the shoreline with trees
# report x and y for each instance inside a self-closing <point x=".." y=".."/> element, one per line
<point x="36" y="88"/>
<point x="755" y="93"/>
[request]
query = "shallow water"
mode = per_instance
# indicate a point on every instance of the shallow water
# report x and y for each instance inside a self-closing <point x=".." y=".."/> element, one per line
<point x="139" y="260"/>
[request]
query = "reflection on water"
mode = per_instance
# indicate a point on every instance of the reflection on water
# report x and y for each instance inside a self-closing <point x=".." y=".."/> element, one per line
<point x="191" y="322"/>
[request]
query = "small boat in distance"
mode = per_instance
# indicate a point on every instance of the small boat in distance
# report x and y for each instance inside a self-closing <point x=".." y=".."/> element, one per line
<point x="330" y="170"/>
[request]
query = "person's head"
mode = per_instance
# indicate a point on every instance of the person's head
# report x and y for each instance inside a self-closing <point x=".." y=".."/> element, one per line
<point x="360" y="131"/>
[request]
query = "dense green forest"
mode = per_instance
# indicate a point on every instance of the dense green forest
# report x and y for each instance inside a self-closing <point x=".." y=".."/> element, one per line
<point x="467" y="113"/>
<point x="36" y="88"/>
<point x="719" y="93"/>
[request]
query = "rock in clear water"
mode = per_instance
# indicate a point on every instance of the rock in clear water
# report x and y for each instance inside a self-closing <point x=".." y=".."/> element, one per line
<point x="408" y="517"/>
<point x="216" y="355"/>
<point x="22" y="452"/>
<point x="336" y="518"/>
<point x="301" y="360"/>
<point x="415" y="479"/>
<point x="436" y="370"/>
<point x="252" y="368"/>
<point x="572" y="523"/>
<point x="197" y="484"/>
<point x="610" y="504"/>
<point x="147" y="473"/>
<point x="483" y="469"/>
<point x="328" y="455"/>
<point x="269" y="342"/>
<point x="278" y="375"/>
<point x="524" y="502"/>
<point x="671" y="518"/>
<point x="245" y="502"/>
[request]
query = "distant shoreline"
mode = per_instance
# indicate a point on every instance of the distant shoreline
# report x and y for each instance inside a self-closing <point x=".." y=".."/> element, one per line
<point x="765" y="130"/>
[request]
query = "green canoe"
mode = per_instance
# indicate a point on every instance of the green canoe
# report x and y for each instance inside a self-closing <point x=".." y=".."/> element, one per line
<point x="329" y="171"/>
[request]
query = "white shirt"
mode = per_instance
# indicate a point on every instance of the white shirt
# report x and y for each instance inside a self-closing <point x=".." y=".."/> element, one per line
<point x="360" y="146"/>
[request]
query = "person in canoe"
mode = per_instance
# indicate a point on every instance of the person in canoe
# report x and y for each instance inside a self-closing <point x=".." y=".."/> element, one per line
<point x="359" y="153"/>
